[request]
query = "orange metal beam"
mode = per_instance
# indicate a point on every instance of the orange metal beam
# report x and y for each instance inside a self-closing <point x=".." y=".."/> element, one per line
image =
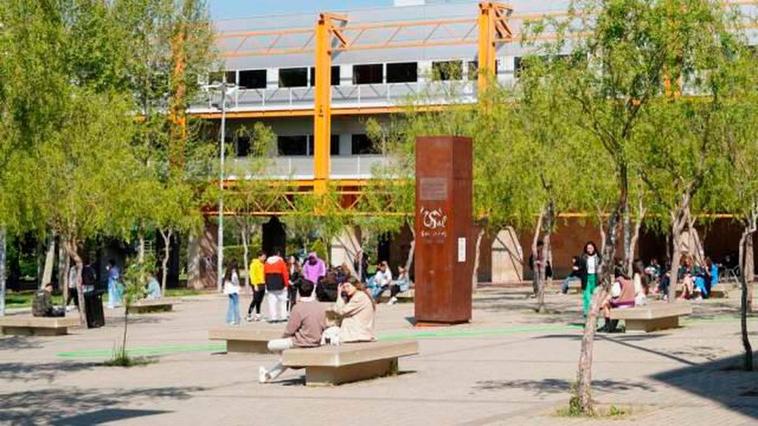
<point x="308" y="112"/>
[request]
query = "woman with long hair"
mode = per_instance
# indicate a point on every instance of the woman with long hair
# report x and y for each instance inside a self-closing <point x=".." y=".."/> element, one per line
<point x="232" y="290"/>
<point x="589" y="270"/>
<point x="355" y="310"/>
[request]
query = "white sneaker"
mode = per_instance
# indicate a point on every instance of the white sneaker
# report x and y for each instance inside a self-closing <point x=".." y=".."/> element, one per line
<point x="262" y="375"/>
<point x="248" y="318"/>
<point x="392" y="301"/>
<point x="257" y="317"/>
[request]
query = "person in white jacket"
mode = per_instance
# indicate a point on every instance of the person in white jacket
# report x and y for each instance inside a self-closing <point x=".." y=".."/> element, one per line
<point x="232" y="290"/>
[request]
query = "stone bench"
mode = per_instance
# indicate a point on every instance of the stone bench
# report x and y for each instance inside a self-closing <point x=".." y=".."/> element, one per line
<point x="148" y="306"/>
<point x="350" y="362"/>
<point x="37" y="326"/>
<point x="404" y="297"/>
<point x="652" y="317"/>
<point x="716" y="293"/>
<point x="246" y="339"/>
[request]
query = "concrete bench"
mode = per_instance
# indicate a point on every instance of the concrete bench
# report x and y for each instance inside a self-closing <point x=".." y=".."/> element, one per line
<point x="148" y="306"/>
<point x="246" y="339"/>
<point x="350" y="362"/>
<point x="716" y="293"/>
<point x="652" y="317"/>
<point x="37" y="326"/>
<point x="404" y="297"/>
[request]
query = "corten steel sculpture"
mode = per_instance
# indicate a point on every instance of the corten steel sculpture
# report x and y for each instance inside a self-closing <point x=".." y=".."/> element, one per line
<point x="444" y="250"/>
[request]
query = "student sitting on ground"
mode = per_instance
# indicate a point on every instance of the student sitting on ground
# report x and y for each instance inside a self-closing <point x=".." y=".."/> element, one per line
<point x="400" y="285"/>
<point x="304" y="329"/>
<point x="621" y="297"/>
<point x="355" y="311"/>
<point x="42" y="305"/>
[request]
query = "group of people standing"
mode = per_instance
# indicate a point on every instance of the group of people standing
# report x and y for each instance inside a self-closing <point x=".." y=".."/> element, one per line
<point x="274" y="279"/>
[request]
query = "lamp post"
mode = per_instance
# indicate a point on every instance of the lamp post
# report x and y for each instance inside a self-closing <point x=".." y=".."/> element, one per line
<point x="225" y="88"/>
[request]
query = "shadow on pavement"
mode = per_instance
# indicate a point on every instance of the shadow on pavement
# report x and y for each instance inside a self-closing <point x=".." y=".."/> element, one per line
<point x="105" y="415"/>
<point x="17" y="343"/>
<point x="18" y="371"/>
<point x="721" y="381"/>
<point x="63" y="405"/>
<point x="552" y="386"/>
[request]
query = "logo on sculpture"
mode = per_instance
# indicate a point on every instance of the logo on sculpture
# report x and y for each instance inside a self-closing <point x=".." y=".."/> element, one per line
<point x="434" y="222"/>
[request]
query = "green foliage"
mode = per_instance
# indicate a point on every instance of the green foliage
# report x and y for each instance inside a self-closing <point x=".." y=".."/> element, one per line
<point x="135" y="278"/>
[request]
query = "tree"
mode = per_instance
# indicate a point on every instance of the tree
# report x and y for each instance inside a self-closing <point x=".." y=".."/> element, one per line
<point x="624" y="55"/>
<point x="135" y="279"/>
<point x="85" y="162"/>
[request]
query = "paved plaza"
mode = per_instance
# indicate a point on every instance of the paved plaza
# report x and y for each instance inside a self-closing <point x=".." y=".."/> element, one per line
<point x="509" y="366"/>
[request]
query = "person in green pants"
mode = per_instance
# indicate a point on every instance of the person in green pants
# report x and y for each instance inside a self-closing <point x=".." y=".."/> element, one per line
<point x="589" y="268"/>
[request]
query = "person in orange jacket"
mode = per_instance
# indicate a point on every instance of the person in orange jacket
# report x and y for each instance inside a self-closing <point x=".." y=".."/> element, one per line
<point x="277" y="282"/>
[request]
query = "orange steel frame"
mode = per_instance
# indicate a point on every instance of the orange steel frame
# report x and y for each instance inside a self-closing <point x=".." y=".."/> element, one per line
<point x="331" y="35"/>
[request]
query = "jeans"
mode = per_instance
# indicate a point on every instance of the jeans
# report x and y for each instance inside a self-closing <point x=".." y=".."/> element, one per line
<point x="566" y="282"/>
<point x="114" y="295"/>
<point x="588" y="292"/>
<point x="277" y="305"/>
<point x="258" y="293"/>
<point x="233" y="311"/>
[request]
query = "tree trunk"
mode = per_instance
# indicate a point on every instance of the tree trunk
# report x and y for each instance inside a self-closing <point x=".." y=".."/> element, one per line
<point x="63" y="263"/>
<point x="409" y="260"/>
<point x="627" y="236"/>
<point x="744" y="299"/>
<point x="245" y="252"/>
<point x="47" y="269"/>
<point x="536" y="267"/>
<point x="141" y="248"/>
<point x="164" y="261"/>
<point x="676" y="257"/>
<point x="2" y="270"/>
<point x="748" y="268"/>
<point x="71" y="249"/>
<point x="546" y="253"/>
<point x="126" y="324"/>
<point x="582" y="399"/>
<point x="477" y="252"/>
<point x="635" y="236"/>
<point x="697" y="250"/>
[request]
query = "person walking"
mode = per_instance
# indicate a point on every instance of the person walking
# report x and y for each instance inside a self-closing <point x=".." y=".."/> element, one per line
<point x="114" y="290"/>
<point x="296" y="276"/>
<point x="258" y="283"/>
<point x="589" y="268"/>
<point x="73" y="280"/>
<point x="277" y="282"/>
<point x="232" y="290"/>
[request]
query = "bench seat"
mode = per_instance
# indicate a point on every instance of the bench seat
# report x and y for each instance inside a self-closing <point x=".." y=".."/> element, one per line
<point x="350" y="362"/>
<point x="652" y="317"/>
<point x="246" y="339"/>
<point x="404" y="297"/>
<point x="19" y="325"/>
<point x="147" y="306"/>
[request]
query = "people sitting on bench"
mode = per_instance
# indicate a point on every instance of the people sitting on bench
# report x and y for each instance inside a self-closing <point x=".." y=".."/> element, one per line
<point x="153" y="288"/>
<point x="687" y="274"/>
<point x="304" y="329"/>
<point x="574" y="275"/>
<point x="42" y="306"/>
<point x="381" y="281"/>
<point x="355" y="311"/>
<point x="620" y="297"/>
<point x="641" y="283"/>
<point x="400" y="285"/>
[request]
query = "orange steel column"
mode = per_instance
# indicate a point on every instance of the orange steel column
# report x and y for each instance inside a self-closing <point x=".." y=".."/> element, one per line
<point x="322" y="114"/>
<point x="486" y="58"/>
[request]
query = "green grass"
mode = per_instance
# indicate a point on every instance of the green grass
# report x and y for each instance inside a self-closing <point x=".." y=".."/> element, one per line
<point x="610" y="412"/>
<point x="181" y="292"/>
<point x="24" y="299"/>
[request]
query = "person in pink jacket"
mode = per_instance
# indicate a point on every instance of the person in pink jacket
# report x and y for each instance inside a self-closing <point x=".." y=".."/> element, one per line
<point x="313" y="268"/>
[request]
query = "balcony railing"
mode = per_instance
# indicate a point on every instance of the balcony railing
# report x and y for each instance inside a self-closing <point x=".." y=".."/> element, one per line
<point x="301" y="167"/>
<point x="362" y="95"/>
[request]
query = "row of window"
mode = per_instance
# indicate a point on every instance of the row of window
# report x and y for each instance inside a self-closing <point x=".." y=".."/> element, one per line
<point x="401" y="72"/>
<point x="302" y="145"/>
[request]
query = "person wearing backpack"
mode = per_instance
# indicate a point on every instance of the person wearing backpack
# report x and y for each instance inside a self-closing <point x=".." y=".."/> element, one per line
<point x="277" y="282"/>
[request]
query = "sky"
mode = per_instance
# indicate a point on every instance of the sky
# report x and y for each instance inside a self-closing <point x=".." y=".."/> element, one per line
<point x="226" y="9"/>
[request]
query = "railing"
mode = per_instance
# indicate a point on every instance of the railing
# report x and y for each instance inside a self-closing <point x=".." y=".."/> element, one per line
<point x="366" y="95"/>
<point x="301" y="167"/>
